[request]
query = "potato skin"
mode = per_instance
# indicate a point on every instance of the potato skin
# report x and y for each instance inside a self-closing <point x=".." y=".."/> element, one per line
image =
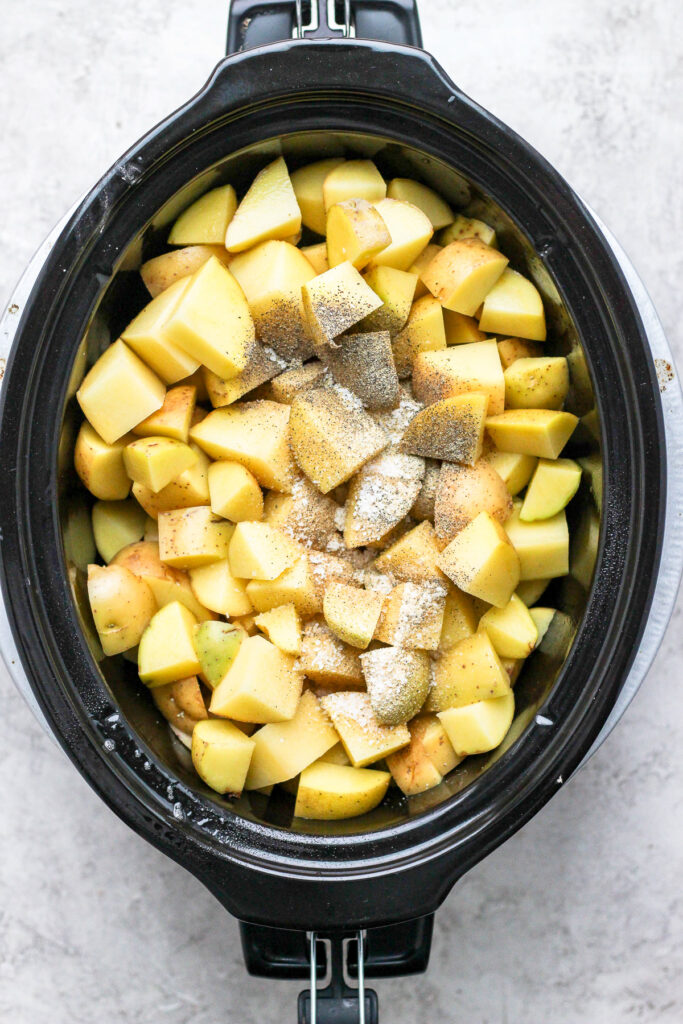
<point x="122" y="606"/>
<point x="462" y="492"/>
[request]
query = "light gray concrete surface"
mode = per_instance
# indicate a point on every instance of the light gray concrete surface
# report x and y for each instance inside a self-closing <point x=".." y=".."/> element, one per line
<point x="580" y="916"/>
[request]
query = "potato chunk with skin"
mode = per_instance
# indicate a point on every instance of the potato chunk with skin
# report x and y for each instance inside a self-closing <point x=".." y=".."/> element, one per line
<point x="118" y="392"/>
<point x="328" y="660"/>
<point x="295" y="586"/>
<point x="156" y="461"/>
<point x="282" y="750"/>
<point x="412" y="769"/>
<point x="410" y="230"/>
<point x="262" y="685"/>
<point x="426" y="199"/>
<point x="174" y="417"/>
<point x="512" y="349"/>
<point x="332" y="436"/>
<point x="166" y="652"/>
<point x="514" y="470"/>
<point x="206" y="221"/>
<point x="537" y="383"/>
<point x="364" y="364"/>
<point x="297" y="381"/>
<point x="512" y="630"/>
<point x="470" y="671"/>
<point x="189" y="537"/>
<point x="355" y="232"/>
<point x="552" y="487"/>
<point x="216" y="644"/>
<point x="351" y="613"/>
<point x="423" y="506"/>
<point x="100" y="465"/>
<point x="459" y="370"/>
<point x="181" y="703"/>
<point x="467" y="227"/>
<point x="307" y="183"/>
<point x="462" y="492"/>
<point x="459" y="619"/>
<point x="414" y="557"/>
<point x="423" y="332"/>
<point x="306" y="515"/>
<point x="380" y="496"/>
<point x="317" y="256"/>
<point x="412" y="616"/>
<point x="365" y="739"/>
<point x="541" y="432"/>
<point x="122" y="606"/>
<point x="420" y="265"/>
<point x="235" y="492"/>
<point x="216" y="588"/>
<point x="263" y="363"/>
<point x="463" y="273"/>
<point x="398" y="682"/>
<point x="514" y="306"/>
<point x="482" y="561"/>
<point x="189" y="489"/>
<point x="221" y="754"/>
<point x="259" y="551"/>
<point x="452" y="429"/>
<point x="269" y="210"/>
<point x="282" y="626"/>
<point x="353" y="179"/>
<point x="162" y="271"/>
<point x="542" y="546"/>
<point x="329" y="792"/>
<point x="115" y="525"/>
<point x="167" y="584"/>
<point x="396" y="289"/>
<point x="336" y="301"/>
<point x="254" y="434"/>
<point x="146" y="335"/>
<point x="460" y="329"/>
<point x="478" y="728"/>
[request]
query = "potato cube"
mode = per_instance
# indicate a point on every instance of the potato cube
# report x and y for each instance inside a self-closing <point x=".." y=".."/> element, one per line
<point x="155" y="461"/>
<point x="452" y="429"/>
<point x="365" y="739"/>
<point x="262" y="685"/>
<point x="166" y="650"/>
<point x="216" y="644"/>
<point x="542" y="617"/>
<point x="412" y="616"/>
<point x="478" y="728"/>
<point x="148" y="338"/>
<point x="161" y="272"/>
<point x="100" y="465"/>
<point x="206" y="220"/>
<point x="420" y="265"/>
<point x="463" y="273"/>
<point x="221" y="754"/>
<point x="541" y="432"/>
<point x="467" y="227"/>
<point x="329" y="792"/>
<point x="353" y="179"/>
<point x="514" y="306"/>
<point x="317" y="256"/>
<point x="212" y="322"/>
<point x="511" y="349"/>
<point x="254" y="434"/>
<point x="167" y="584"/>
<point x="259" y="551"/>
<point x="307" y="183"/>
<point x="552" y="487"/>
<point x="297" y="381"/>
<point x="431" y="735"/>
<point x="262" y="365"/>
<point x="459" y="370"/>
<point x="355" y="232"/>
<point x="537" y="383"/>
<point x="364" y="363"/>
<point x="414" y="557"/>
<point x="351" y="613"/>
<point x="426" y="199"/>
<point x="482" y="561"/>
<point x="514" y="470"/>
<point x="269" y="210"/>
<point x="122" y="606"/>
<point x="336" y="755"/>
<point x="396" y="289"/>
<point x="542" y="546"/>
<point x="295" y="586"/>
<point x="530" y="591"/>
<point x="118" y="392"/>
<point x="470" y="671"/>
<point x="216" y="588"/>
<point x="189" y="537"/>
<point x="282" y="750"/>
<point x="335" y="301"/>
<point x="460" y="329"/>
<point x="181" y="703"/>
<point x="463" y="492"/>
<point x="328" y="660"/>
<point x="327" y="569"/>
<point x="115" y="525"/>
<point x="282" y="626"/>
<point x="174" y="417"/>
<point x="189" y="489"/>
<point x="306" y="515"/>
<point x="381" y="495"/>
<point x="398" y="682"/>
<point x="235" y="492"/>
<point x="459" y="619"/>
<point x="423" y="506"/>
<point x="423" y="332"/>
<point x="271" y="276"/>
<point x="332" y="436"/>
<point x="412" y="770"/>
<point x="410" y="230"/>
<point x="512" y="630"/>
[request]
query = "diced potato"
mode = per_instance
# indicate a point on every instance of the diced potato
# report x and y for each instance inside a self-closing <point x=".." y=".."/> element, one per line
<point x="336" y="755"/>
<point x="317" y="256"/>
<point x="412" y="769"/>
<point x="216" y="588"/>
<point x="327" y="569"/>
<point x="282" y="750"/>
<point x="351" y="613"/>
<point x="206" y="221"/>
<point x="396" y="289"/>
<point x="463" y="492"/>
<point x="122" y="606"/>
<point x="189" y="537"/>
<point x="282" y="626"/>
<point x="235" y="492"/>
<point x="541" y="432"/>
<point x="380" y="495"/>
<point x="306" y="515"/>
<point x="423" y="506"/>
<point x="461" y="329"/>
<point x="514" y="306"/>
<point x="115" y="525"/>
<point x="452" y="429"/>
<point x="364" y="363"/>
<point x="221" y="754"/>
<point x="513" y="667"/>
<point x="328" y="660"/>
<point x="412" y="616"/>
<point x="552" y="487"/>
<point x="429" y="732"/>
<point x="156" y="461"/>
<point x="463" y="273"/>
<point x="161" y="272"/>
<point x="118" y="392"/>
<point x="146" y="334"/>
<point x="174" y="417"/>
<point x="511" y="629"/>
<point x="307" y="183"/>
<point x="410" y="231"/>
<point x="512" y="349"/>
<point x="353" y="179"/>
<point x="336" y="301"/>
<point x="247" y="623"/>
<point x="268" y="210"/>
<point x="459" y="619"/>
<point x="459" y="370"/>
<point x="414" y="557"/>
<point x="262" y="365"/>
<point x="181" y="703"/>
<point x="329" y="792"/>
<point x="365" y="739"/>
<point x="216" y="644"/>
<point x="331" y="437"/>
<point x="167" y="584"/>
<point x="424" y="332"/>
<point x="189" y="489"/>
<point x="420" y="265"/>
<point x="271" y="276"/>
<point x="100" y="465"/>
<point x="398" y="682"/>
<point x="166" y="652"/>
<point x="254" y="434"/>
<point x="482" y="561"/>
<point x="262" y="685"/>
<point x="478" y="728"/>
<point x="515" y="470"/>
<point x="470" y="671"/>
<point x="355" y="232"/>
<point x="542" y="546"/>
<point x="295" y="586"/>
<point x="542" y="617"/>
<point x="297" y="381"/>
<point x="259" y="551"/>
<point x="537" y="383"/>
<point x="467" y="227"/>
<point x="212" y="322"/>
<point x="426" y="199"/>
<point x="530" y="591"/>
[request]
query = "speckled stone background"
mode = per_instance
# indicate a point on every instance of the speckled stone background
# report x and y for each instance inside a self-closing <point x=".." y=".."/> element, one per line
<point x="579" y="918"/>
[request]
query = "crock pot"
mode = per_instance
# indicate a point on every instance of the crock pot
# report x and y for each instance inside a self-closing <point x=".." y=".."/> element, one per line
<point x="352" y="898"/>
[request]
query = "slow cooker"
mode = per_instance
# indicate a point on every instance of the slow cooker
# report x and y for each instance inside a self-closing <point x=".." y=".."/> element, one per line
<point x="348" y="900"/>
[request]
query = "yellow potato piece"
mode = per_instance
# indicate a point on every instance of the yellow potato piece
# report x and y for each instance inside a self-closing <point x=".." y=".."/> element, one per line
<point x="118" y="392"/>
<point x="115" y="525"/>
<point x="100" y="465"/>
<point x="452" y="429"/>
<point x="542" y="617"/>
<point x="379" y="497"/>
<point x="122" y="606"/>
<point x="317" y="256"/>
<point x="167" y="584"/>
<point x="511" y="629"/>
<point x="328" y="660"/>
<point x="166" y="652"/>
<point x="189" y="537"/>
<point x="307" y="183"/>
<point x="221" y="755"/>
<point x="282" y="626"/>
<point x="262" y="365"/>
<point x="410" y="230"/>
<point x="479" y="727"/>
<point x="206" y="221"/>
<point x="268" y="210"/>
<point x="426" y="199"/>
<point x="530" y="591"/>
<point x="463" y="273"/>
<point x="396" y="289"/>
<point x="515" y="470"/>
<point x="216" y="588"/>
<point x="286" y="386"/>
<point x="306" y="515"/>
<point x="235" y="492"/>
<point x="585" y="542"/>
<point x="262" y="685"/>
<point x="482" y="561"/>
<point x="189" y="489"/>
<point x="463" y="492"/>
<point x="181" y="704"/>
<point x="162" y="271"/>
<point x="282" y="750"/>
<point x="329" y="792"/>
<point x="470" y="671"/>
<point x="460" y="329"/>
<point x="353" y="179"/>
<point x="467" y="227"/>
<point x="351" y="613"/>
<point x="460" y="370"/>
<point x="540" y="383"/>
<point x="412" y="771"/>
<point x="355" y="232"/>
<point x="511" y="349"/>
<point x="295" y="586"/>
<point x="552" y="487"/>
<point x="423" y="332"/>
<point x="174" y="417"/>
<point x="420" y="265"/>
<point x="336" y="755"/>
<point x="514" y="306"/>
<point x="155" y="461"/>
<point x="365" y="739"/>
<point x="414" y="557"/>
<point x="542" y="547"/>
<point x="412" y="616"/>
<point x="364" y="364"/>
<point x="541" y="432"/>
<point x="335" y="301"/>
<point x="259" y="551"/>
<point x="147" y="336"/>
<point x="459" y="619"/>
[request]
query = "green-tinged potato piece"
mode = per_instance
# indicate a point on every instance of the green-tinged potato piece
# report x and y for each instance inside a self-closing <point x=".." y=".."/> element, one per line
<point x="115" y="525"/>
<point x="512" y="630"/>
<point x="410" y="230"/>
<point x="162" y="271"/>
<point x="167" y="652"/>
<point x="451" y="430"/>
<point x="467" y="227"/>
<point x="398" y="683"/>
<point x="514" y="306"/>
<point x="268" y="210"/>
<point x="542" y="546"/>
<point x="462" y="492"/>
<point x="190" y="537"/>
<point x="353" y="179"/>
<point x="515" y="470"/>
<point x="366" y="740"/>
<point x="541" y="432"/>
<point x="423" y="332"/>
<point x="307" y="183"/>
<point x="355" y="232"/>
<point x="482" y="561"/>
<point x="364" y="363"/>
<point x="470" y="671"/>
<point x="154" y="462"/>
<point x="284" y="749"/>
<point x="396" y="289"/>
<point x="216" y="588"/>
<point x="336" y="301"/>
<point x="331" y="791"/>
<point x="478" y="728"/>
<point x="118" y="392"/>
<point x="458" y="370"/>
<point x="221" y="754"/>
<point x="552" y="487"/>
<point x="463" y="273"/>
<point x="122" y="606"/>
<point x="216" y="644"/>
<point x="100" y="465"/>
<point x="426" y="199"/>
<point x="351" y="613"/>
<point x="262" y="685"/>
<point x="206" y="221"/>
<point x="540" y="383"/>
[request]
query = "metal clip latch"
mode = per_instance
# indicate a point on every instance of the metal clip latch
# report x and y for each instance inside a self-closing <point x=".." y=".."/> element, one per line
<point x="318" y="19"/>
<point x="338" y="1003"/>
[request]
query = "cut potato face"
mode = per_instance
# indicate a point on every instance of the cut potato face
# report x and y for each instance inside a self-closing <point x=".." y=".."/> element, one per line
<point x="174" y="418"/>
<point x="412" y="616"/>
<point x="146" y="335"/>
<point x="167" y="584"/>
<point x="118" y="392"/>
<point x="463" y="273"/>
<point x="540" y="383"/>
<point x="122" y="606"/>
<point x="461" y="329"/>
<point x="235" y="492"/>
<point x="470" y="671"/>
<point x="100" y="465"/>
<point x="115" y="525"/>
<point x="283" y="750"/>
<point x="353" y="179"/>
<point x="364" y="364"/>
<point x="259" y="551"/>
<point x="352" y="613"/>
<point x="459" y="619"/>
<point x="328" y="660"/>
<point x="542" y="546"/>
<point x="306" y="515"/>
<point x="462" y="492"/>
<point x="540" y="432"/>
<point x="514" y="470"/>
<point x="410" y="230"/>
<point x="190" y="537"/>
<point x="297" y="381"/>
<point x="414" y="557"/>
<point x="481" y="561"/>
<point x="511" y="349"/>
<point x="423" y="506"/>
<point x="336" y="301"/>
<point x="426" y="199"/>
<point x="451" y="430"/>
<point x="552" y="487"/>
<point x="167" y="652"/>
<point x="282" y="626"/>
<point x="380" y="496"/>
<point x="262" y="684"/>
<point x="355" y="232"/>
<point x="295" y="586"/>
<point x="221" y="755"/>
<point x="263" y="363"/>
<point x="512" y="630"/>
<point x="467" y="227"/>
<point x="161" y="272"/>
<point x="396" y="289"/>
<point x="190" y="488"/>
<point x="421" y="264"/>
<point x="514" y="306"/>
<point x="478" y="728"/>
<point x="329" y="792"/>
<point x="423" y="332"/>
<point x="307" y="183"/>
<point x="366" y="740"/>
<point x="216" y="588"/>
<point x="317" y="256"/>
<point x="461" y="370"/>
<point x="156" y="461"/>
<point x="206" y="221"/>
<point x="268" y="210"/>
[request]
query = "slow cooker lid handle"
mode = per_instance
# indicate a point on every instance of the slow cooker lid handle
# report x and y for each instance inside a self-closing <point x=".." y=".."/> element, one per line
<point x="259" y="22"/>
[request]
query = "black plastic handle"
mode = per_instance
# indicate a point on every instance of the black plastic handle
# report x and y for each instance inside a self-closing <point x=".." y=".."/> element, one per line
<point x="258" y="22"/>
